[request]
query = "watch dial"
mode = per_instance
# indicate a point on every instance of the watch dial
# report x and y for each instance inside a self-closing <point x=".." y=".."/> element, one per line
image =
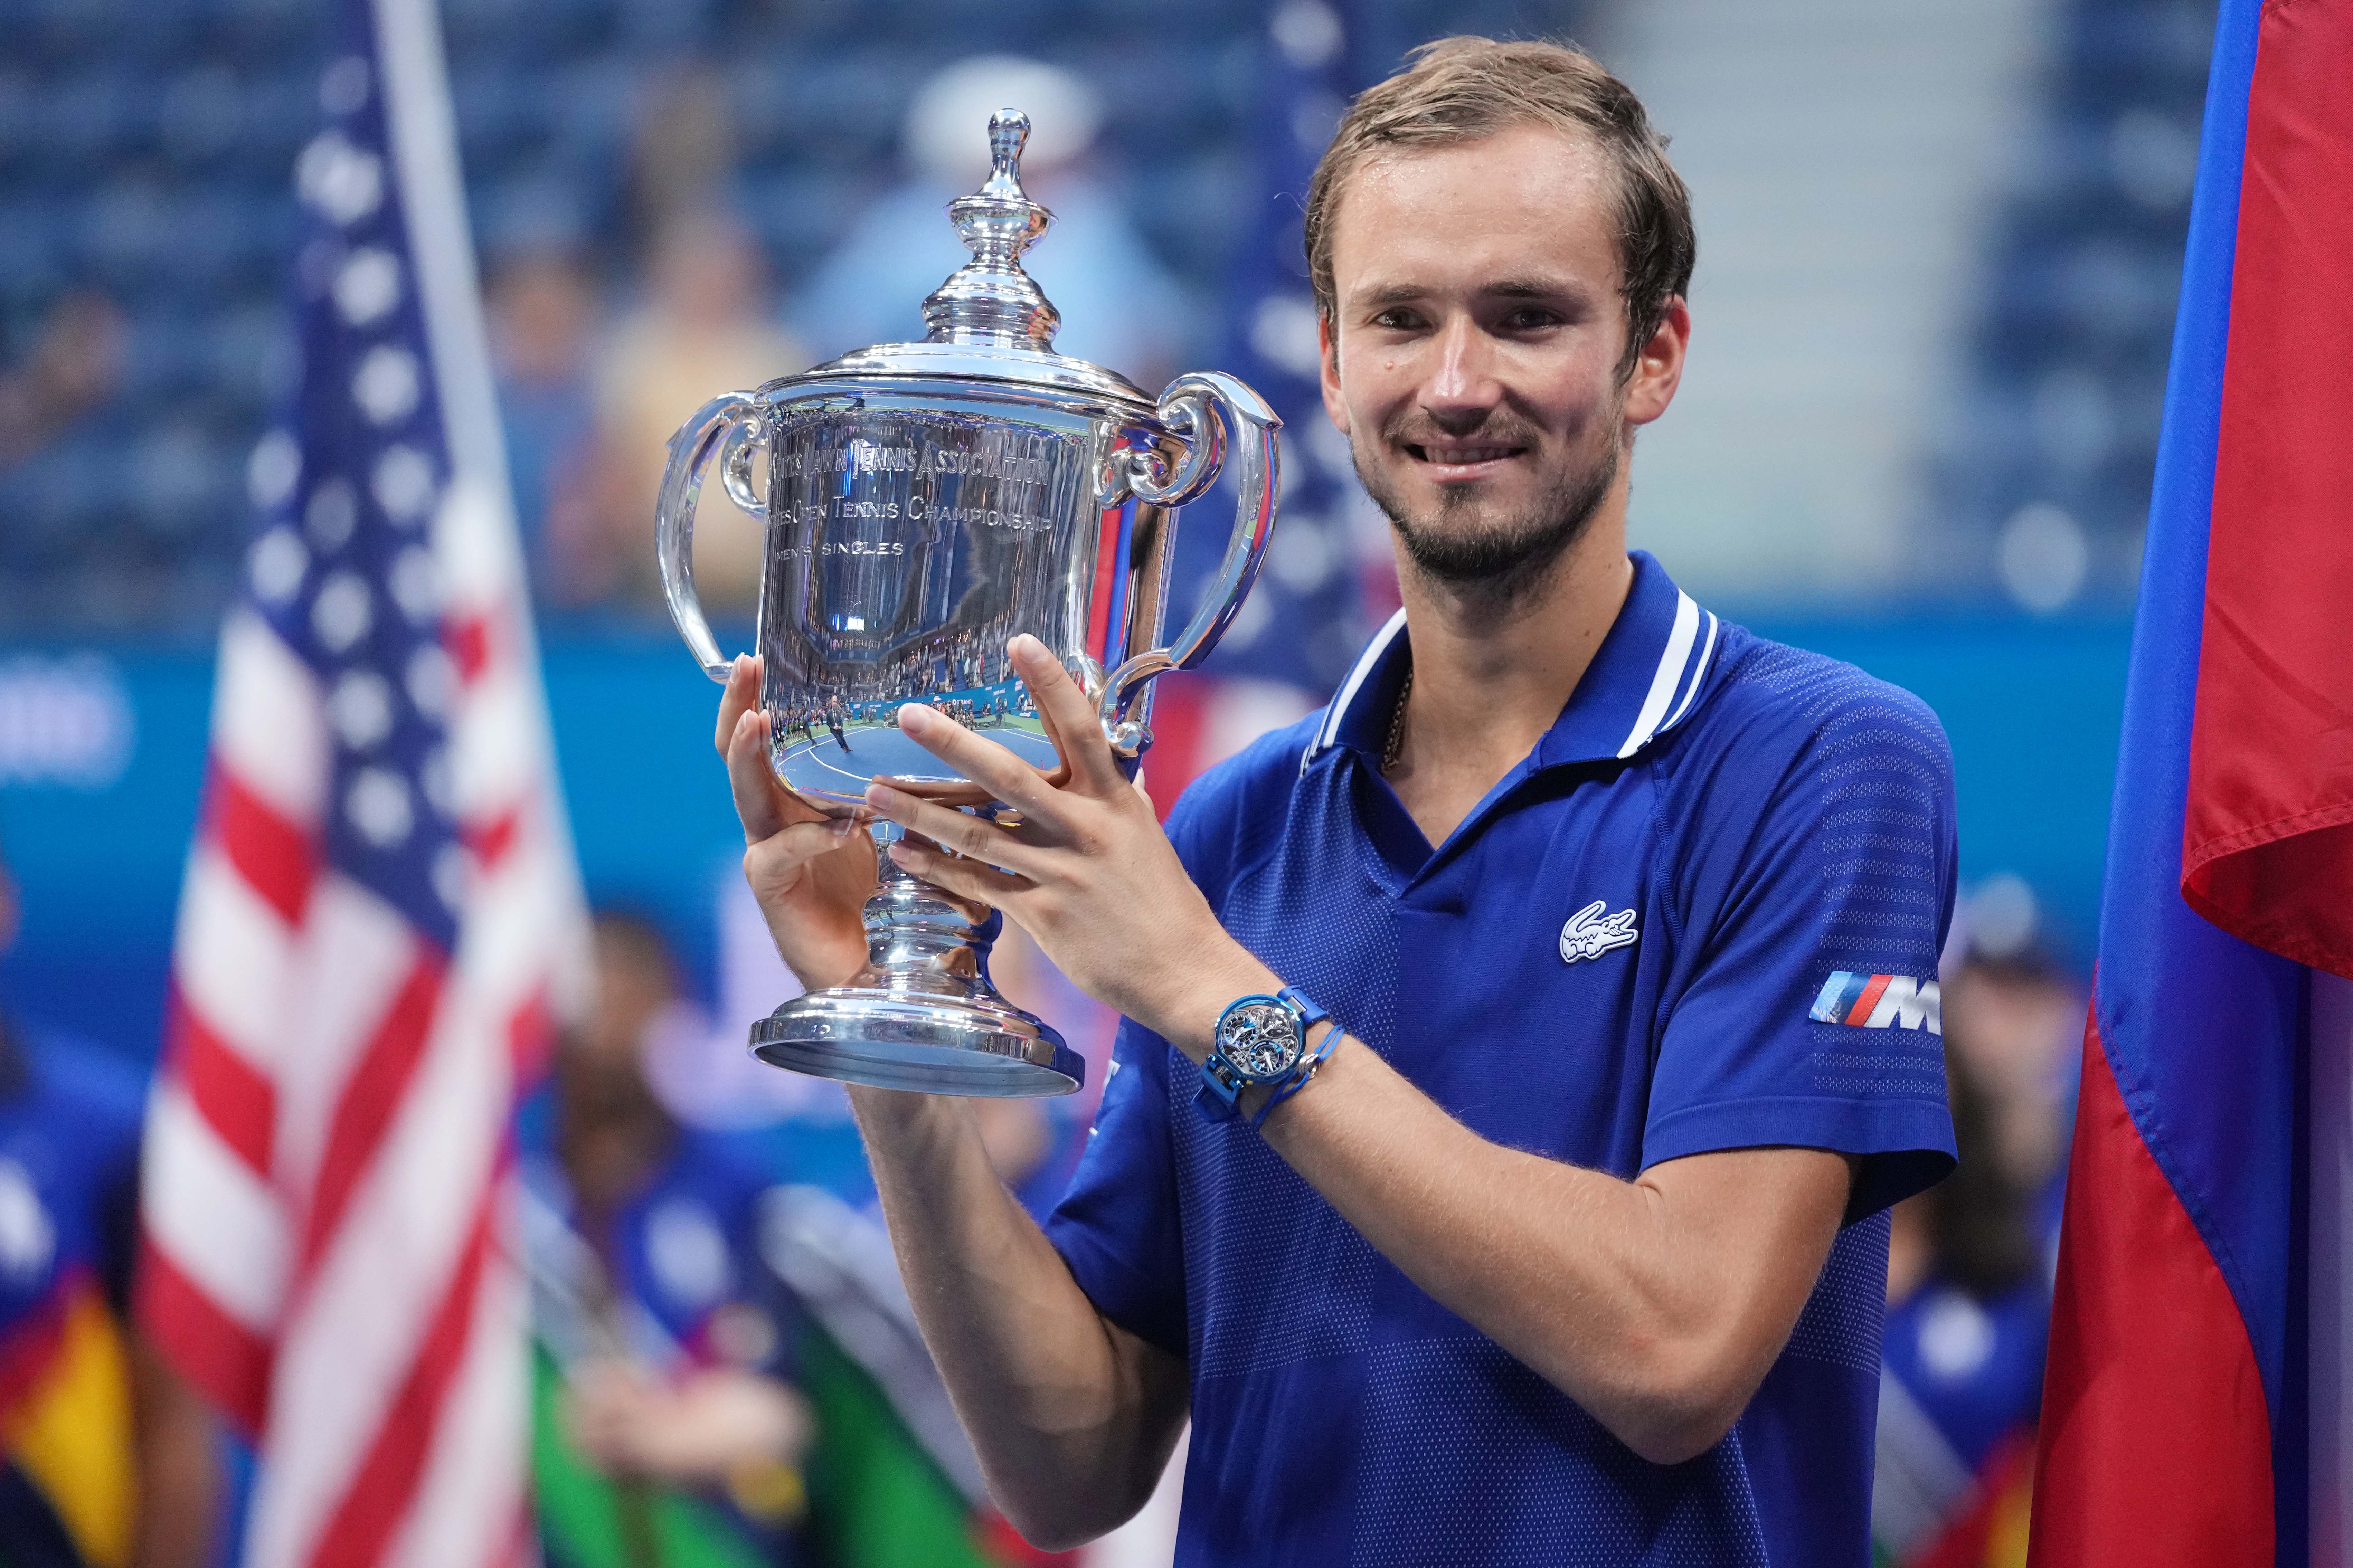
<point x="1262" y="1040"/>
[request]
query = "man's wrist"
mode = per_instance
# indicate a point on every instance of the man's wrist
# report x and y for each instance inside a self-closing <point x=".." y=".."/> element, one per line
<point x="1186" y="1013"/>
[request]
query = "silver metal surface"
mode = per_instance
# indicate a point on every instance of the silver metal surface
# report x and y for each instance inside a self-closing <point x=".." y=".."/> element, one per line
<point x="925" y="503"/>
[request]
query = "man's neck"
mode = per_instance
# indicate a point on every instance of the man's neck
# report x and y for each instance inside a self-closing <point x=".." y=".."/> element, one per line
<point x="1490" y="681"/>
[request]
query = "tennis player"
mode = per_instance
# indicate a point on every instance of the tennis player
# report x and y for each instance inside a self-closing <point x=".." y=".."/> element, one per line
<point x="1521" y="1053"/>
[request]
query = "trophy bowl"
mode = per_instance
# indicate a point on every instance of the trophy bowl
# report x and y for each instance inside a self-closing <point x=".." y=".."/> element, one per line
<point x="924" y="503"/>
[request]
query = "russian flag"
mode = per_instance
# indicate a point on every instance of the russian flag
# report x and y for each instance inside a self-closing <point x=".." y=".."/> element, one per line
<point x="2195" y="1409"/>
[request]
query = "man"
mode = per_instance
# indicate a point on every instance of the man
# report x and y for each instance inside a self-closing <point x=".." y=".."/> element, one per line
<point x="1573" y="1248"/>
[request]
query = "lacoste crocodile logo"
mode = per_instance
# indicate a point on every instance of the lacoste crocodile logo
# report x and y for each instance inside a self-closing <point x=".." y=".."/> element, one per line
<point x="1590" y="933"/>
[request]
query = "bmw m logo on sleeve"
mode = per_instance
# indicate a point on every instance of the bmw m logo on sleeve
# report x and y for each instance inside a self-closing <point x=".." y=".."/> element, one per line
<point x="1879" y="1002"/>
<point x="1590" y="933"/>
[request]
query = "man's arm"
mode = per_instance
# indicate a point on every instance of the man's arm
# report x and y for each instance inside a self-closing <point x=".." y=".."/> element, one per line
<point x="1658" y="1304"/>
<point x="1072" y="1416"/>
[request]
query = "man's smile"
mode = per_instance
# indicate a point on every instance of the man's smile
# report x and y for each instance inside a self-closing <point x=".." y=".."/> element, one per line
<point x="1455" y="462"/>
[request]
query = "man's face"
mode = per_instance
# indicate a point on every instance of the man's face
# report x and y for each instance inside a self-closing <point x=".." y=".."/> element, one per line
<point x="1479" y="330"/>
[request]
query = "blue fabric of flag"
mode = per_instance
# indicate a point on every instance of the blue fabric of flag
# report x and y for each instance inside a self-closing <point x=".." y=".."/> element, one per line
<point x="2220" y="1122"/>
<point x="342" y="563"/>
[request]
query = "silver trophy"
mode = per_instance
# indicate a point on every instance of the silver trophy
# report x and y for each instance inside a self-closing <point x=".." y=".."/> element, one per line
<point x="925" y="502"/>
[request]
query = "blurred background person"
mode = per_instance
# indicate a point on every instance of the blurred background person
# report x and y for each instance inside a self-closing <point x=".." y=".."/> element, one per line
<point x="667" y="1430"/>
<point x="76" y="365"/>
<point x="2021" y="1039"/>
<point x="1968" y="1307"/>
<point x="542" y="312"/>
<point x="1119" y="307"/>
<point x="58" y="467"/>
<point x="1969" y="1261"/>
<point x="705" y="326"/>
<point x="727" y="1370"/>
<point x="107" y="1456"/>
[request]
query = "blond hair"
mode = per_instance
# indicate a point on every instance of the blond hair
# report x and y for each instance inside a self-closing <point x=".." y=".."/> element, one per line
<point x="1468" y="88"/>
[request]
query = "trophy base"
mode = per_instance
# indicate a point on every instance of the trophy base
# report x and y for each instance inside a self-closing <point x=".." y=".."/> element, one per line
<point x="979" y="1045"/>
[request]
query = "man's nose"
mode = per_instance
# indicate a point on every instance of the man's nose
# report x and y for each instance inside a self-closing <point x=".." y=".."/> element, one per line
<point x="1462" y="385"/>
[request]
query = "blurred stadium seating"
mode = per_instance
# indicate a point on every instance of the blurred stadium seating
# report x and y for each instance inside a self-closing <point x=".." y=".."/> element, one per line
<point x="145" y="154"/>
<point x="2050" y="457"/>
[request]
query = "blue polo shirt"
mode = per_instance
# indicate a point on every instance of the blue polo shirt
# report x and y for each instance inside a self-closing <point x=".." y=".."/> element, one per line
<point x="1704" y="913"/>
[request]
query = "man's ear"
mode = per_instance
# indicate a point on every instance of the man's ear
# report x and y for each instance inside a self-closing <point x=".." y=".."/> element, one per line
<point x="1659" y="369"/>
<point x="1327" y="359"/>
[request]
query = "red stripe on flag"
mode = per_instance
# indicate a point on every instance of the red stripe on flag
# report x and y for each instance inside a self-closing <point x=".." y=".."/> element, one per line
<point x="469" y="642"/>
<point x="1872" y="990"/>
<point x="371" y="1097"/>
<point x="489" y="841"/>
<point x="2268" y="838"/>
<point x="2156" y="1442"/>
<point x="531" y="1040"/>
<point x="273" y="855"/>
<point x="385" y="1484"/>
<point x="235" y="1101"/>
<point x="227" y="1362"/>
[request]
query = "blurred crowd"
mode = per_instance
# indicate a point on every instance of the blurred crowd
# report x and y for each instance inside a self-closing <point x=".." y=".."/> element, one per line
<point x="594" y="383"/>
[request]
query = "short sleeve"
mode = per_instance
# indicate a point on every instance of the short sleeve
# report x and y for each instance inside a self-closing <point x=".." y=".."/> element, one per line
<point x="1817" y="907"/>
<point x="1117" y="1226"/>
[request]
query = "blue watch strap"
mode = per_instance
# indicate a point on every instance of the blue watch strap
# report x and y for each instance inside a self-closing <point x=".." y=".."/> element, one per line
<point x="1299" y="1074"/>
<point x="1219" y="1096"/>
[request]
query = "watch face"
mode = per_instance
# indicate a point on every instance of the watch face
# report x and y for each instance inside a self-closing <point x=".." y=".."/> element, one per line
<point x="1262" y="1040"/>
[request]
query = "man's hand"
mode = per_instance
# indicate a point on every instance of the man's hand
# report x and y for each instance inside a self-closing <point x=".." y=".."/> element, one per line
<point x="696" y="1432"/>
<point x="812" y="876"/>
<point x="1088" y="872"/>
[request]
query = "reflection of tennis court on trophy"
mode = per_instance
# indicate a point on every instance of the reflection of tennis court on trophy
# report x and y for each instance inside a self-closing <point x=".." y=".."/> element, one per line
<point x="884" y="751"/>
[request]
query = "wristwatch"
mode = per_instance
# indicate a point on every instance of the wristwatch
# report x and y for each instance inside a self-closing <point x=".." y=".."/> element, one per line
<point x="1261" y="1042"/>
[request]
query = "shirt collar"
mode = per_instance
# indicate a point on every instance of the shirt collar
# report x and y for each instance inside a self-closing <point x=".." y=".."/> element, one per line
<point x="1643" y="681"/>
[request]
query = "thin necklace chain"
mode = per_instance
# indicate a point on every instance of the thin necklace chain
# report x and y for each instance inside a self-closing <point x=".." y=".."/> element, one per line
<point x="1395" y="747"/>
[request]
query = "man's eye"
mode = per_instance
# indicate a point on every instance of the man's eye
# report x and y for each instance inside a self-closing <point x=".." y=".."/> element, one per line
<point x="1395" y="320"/>
<point x="1532" y="320"/>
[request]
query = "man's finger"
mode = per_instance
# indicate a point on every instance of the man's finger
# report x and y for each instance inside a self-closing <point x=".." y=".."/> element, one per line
<point x="761" y="802"/>
<point x="777" y="861"/>
<point x="1077" y="733"/>
<point x="974" y="837"/>
<point x="739" y="697"/>
<point x="967" y="877"/>
<point x="985" y="763"/>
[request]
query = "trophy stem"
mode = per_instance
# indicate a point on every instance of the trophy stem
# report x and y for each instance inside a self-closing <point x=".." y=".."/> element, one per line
<point x="922" y="1014"/>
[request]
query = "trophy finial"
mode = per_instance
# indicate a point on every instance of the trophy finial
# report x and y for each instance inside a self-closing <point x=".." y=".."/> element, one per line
<point x="1008" y="132"/>
<point x="990" y="300"/>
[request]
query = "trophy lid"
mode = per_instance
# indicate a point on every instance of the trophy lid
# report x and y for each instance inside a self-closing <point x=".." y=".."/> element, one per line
<point x="989" y="320"/>
<point x="990" y="300"/>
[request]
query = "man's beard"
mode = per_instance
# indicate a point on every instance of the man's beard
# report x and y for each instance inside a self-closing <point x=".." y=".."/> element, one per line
<point x="1497" y="559"/>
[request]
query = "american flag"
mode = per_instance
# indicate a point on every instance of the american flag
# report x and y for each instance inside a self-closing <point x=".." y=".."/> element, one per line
<point x="381" y="911"/>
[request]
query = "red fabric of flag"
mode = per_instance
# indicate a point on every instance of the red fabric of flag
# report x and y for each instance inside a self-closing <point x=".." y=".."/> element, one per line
<point x="2267" y="840"/>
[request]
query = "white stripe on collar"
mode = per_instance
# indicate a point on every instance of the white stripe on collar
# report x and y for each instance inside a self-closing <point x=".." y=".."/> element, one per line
<point x="1329" y="730"/>
<point x="1669" y="677"/>
<point x="1699" y="673"/>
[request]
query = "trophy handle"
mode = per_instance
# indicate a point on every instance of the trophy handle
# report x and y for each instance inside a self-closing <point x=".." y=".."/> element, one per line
<point x="735" y="416"/>
<point x="1208" y="408"/>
